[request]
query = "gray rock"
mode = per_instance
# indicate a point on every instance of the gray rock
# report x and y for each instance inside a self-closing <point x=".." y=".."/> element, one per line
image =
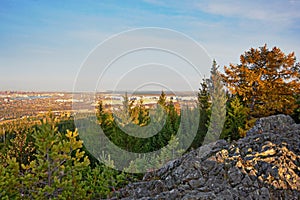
<point x="263" y="165"/>
<point x="264" y="194"/>
<point x="197" y="183"/>
<point x="272" y="123"/>
<point x="199" y="196"/>
<point x="235" y="176"/>
<point x="247" y="182"/>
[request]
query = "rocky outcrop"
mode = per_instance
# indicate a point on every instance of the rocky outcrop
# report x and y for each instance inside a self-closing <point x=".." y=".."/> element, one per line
<point x="263" y="165"/>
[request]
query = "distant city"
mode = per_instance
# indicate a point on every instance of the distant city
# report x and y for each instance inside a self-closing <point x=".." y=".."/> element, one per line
<point x="18" y="104"/>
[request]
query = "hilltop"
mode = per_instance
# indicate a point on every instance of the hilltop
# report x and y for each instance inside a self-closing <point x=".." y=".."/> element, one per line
<point x="263" y="165"/>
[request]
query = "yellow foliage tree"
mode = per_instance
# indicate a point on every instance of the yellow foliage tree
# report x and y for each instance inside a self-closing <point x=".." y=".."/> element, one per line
<point x="267" y="80"/>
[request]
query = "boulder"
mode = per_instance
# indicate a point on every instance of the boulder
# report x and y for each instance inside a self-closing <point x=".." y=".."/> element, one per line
<point x="263" y="165"/>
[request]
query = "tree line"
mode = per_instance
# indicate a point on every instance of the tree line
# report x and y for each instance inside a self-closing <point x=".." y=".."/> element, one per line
<point x="48" y="159"/>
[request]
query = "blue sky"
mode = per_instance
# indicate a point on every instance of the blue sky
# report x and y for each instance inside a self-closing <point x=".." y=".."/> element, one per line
<point x="44" y="43"/>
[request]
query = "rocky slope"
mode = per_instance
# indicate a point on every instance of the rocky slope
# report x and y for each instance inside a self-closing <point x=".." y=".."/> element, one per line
<point x="263" y="165"/>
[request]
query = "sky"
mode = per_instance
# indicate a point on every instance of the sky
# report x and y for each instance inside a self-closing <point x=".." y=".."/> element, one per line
<point x="45" y="44"/>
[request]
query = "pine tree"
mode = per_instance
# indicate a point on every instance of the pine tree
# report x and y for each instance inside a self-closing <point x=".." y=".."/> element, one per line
<point x="236" y="120"/>
<point x="9" y="179"/>
<point x="124" y="115"/>
<point x="173" y="117"/>
<point x="100" y="112"/>
<point x="162" y="101"/>
<point x="204" y="104"/>
<point x="56" y="170"/>
<point x="218" y="106"/>
<point x="143" y="117"/>
<point x="203" y="96"/>
<point x="267" y="80"/>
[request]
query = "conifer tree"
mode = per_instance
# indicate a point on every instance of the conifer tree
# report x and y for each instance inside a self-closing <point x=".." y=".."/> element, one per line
<point x="203" y="95"/>
<point x="204" y="104"/>
<point x="56" y="170"/>
<point x="162" y="99"/>
<point x="218" y="106"/>
<point x="124" y="115"/>
<point x="53" y="172"/>
<point x="266" y="80"/>
<point x="173" y="116"/>
<point x="235" y="120"/>
<point x="100" y="112"/>
<point x="142" y="117"/>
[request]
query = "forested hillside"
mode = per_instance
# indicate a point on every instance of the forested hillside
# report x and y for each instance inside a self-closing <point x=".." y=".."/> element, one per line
<point x="47" y="158"/>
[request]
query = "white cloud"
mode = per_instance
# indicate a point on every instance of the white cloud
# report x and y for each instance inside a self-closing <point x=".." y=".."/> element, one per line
<point x="266" y="11"/>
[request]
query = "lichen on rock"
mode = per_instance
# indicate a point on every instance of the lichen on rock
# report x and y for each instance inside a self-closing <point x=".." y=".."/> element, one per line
<point x="263" y="165"/>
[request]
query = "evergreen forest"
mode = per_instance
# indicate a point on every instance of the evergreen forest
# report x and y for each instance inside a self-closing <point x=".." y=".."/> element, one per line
<point x="50" y="158"/>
